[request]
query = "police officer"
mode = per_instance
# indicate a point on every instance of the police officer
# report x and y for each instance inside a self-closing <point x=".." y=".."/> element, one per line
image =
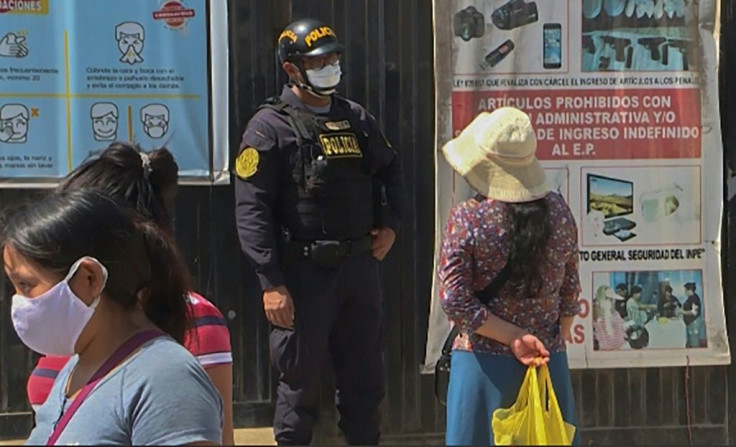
<point x="318" y="205"/>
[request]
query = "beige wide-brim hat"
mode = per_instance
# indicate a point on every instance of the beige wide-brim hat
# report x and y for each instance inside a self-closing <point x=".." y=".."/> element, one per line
<point x="496" y="155"/>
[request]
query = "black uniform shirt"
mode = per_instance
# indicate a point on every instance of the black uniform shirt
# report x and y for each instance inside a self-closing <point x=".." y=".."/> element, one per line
<point x="692" y="300"/>
<point x="263" y="168"/>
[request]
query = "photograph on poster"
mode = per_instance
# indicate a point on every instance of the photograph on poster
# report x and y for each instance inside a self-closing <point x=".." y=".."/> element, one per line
<point x="639" y="35"/>
<point x="648" y="310"/>
<point x="509" y="36"/>
<point x="640" y="205"/>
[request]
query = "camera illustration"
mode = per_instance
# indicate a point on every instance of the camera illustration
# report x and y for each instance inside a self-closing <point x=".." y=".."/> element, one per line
<point x="469" y="23"/>
<point x="515" y="13"/>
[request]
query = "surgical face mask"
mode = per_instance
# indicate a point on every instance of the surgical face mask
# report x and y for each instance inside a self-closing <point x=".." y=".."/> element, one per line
<point x="157" y="131"/>
<point x="50" y="323"/>
<point x="325" y="79"/>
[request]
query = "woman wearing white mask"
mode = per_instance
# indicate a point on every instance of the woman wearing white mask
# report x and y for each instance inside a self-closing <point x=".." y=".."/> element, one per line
<point x="92" y="280"/>
<point x="148" y="182"/>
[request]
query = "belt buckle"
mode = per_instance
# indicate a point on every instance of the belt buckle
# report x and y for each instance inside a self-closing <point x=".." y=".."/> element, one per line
<point x="323" y="246"/>
<point x="323" y="243"/>
<point x="326" y="253"/>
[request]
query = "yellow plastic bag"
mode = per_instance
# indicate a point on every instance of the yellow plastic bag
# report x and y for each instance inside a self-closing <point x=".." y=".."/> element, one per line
<point x="535" y="418"/>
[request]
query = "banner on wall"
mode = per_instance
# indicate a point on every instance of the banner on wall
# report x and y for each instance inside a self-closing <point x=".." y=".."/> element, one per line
<point x="79" y="74"/>
<point x="623" y="96"/>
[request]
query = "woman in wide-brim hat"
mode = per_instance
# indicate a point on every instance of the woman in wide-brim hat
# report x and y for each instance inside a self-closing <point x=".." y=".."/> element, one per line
<point x="513" y="218"/>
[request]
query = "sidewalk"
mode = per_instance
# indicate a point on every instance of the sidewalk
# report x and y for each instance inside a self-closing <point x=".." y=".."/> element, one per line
<point x="243" y="436"/>
<point x="254" y="436"/>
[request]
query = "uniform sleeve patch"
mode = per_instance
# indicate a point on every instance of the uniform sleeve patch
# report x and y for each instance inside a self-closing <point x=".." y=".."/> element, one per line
<point x="246" y="165"/>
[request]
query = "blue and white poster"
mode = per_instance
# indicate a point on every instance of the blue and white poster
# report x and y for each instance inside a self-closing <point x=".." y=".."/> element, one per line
<point x="76" y="75"/>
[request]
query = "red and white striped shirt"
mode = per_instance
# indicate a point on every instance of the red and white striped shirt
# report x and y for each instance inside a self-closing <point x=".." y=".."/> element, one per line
<point x="613" y="340"/>
<point x="208" y="340"/>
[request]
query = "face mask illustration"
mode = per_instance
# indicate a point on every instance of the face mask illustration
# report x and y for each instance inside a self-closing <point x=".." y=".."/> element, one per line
<point x="155" y="118"/>
<point x="156" y="127"/>
<point x="51" y="323"/>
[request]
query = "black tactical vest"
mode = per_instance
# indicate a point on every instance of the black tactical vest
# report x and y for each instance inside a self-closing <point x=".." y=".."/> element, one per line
<point x="330" y="182"/>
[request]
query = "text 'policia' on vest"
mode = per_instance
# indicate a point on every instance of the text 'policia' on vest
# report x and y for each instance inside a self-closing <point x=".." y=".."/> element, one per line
<point x="333" y="178"/>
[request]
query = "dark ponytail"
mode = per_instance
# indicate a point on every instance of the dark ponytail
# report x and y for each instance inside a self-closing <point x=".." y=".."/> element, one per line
<point x="165" y="294"/>
<point x="164" y="170"/>
<point x="119" y="172"/>
<point x="530" y="234"/>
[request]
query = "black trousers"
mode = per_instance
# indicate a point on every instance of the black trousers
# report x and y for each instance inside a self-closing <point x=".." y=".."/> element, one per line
<point x="339" y="312"/>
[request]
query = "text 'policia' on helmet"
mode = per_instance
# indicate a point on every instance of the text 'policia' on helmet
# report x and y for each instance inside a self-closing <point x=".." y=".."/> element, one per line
<point x="307" y="37"/>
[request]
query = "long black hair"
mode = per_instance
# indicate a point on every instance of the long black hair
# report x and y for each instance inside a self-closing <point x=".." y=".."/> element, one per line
<point x="530" y="234"/>
<point x="140" y="257"/>
<point x="119" y="171"/>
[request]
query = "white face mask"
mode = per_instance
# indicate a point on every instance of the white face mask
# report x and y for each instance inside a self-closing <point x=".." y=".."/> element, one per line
<point x="325" y="79"/>
<point x="50" y="323"/>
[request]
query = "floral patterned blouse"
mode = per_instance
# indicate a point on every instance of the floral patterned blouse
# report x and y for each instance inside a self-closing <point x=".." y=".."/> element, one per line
<point x="475" y="247"/>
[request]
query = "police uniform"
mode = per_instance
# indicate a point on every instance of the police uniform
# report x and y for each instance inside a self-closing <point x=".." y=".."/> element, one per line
<point x="309" y="189"/>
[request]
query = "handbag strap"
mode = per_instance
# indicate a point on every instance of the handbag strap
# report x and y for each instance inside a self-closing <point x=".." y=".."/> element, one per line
<point x="121" y="353"/>
<point x="485" y="297"/>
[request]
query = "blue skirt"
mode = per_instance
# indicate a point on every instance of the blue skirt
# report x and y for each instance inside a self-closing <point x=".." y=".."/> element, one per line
<point x="481" y="383"/>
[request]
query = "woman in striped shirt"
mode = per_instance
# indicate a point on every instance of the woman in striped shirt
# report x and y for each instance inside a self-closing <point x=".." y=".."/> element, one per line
<point x="609" y="328"/>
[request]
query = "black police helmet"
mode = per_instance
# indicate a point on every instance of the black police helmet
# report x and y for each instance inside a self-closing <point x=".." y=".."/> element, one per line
<point x="307" y="37"/>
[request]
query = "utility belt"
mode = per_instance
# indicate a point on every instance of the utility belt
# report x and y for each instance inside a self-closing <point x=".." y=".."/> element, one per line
<point x="326" y="254"/>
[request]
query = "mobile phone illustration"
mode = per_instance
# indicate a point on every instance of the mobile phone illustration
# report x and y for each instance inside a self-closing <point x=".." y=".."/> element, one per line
<point x="552" y="45"/>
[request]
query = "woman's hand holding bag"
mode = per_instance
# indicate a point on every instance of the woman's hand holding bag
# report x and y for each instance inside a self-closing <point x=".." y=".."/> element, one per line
<point x="529" y="350"/>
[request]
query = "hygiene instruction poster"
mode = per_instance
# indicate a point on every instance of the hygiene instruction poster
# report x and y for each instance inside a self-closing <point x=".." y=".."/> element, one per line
<point x="623" y="96"/>
<point x="76" y="75"/>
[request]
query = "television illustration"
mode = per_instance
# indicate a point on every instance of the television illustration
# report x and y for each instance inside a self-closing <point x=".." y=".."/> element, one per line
<point x="613" y="198"/>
